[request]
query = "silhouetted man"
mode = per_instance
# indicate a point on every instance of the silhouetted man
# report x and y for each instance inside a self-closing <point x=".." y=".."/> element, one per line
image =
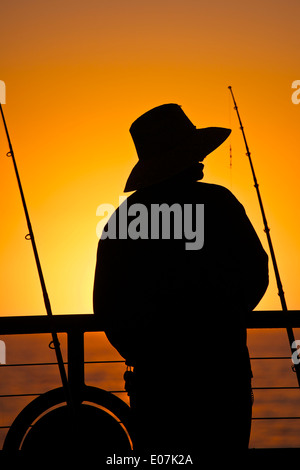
<point x="179" y="267"/>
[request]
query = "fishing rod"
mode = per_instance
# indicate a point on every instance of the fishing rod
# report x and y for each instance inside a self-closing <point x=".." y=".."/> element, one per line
<point x="54" y="344"/>
<point x="289" y="329"/>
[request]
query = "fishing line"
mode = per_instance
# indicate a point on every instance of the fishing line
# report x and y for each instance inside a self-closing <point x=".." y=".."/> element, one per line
<point x="290" y="333"/>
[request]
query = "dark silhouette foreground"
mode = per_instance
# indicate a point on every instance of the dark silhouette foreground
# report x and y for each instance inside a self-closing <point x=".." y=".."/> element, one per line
<point x="178" y="315"/>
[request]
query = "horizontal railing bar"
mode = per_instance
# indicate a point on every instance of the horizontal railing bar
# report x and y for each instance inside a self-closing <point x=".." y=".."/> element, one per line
<point x="105" y="362"/>
<point x="121" y="391"/>
<point x="265" y="319"/>
<point x="91" y="323"/>
<point x="276" y="417"/>
<point x="275" y="388"/>
<point x="270" y="357"/>
<point x="115" y="362"/>
<point x="37" y="324"/>
<point x="253" y="419"/>
<point x="55" y="363"/>
<point x="16" y="395"/>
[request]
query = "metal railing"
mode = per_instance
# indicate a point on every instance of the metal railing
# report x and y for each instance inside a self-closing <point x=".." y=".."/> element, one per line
<point x="75" y="326"/>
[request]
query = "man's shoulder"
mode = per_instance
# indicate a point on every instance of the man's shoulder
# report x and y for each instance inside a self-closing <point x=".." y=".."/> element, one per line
<point x="194" y="192"/>
<point x="215" y="193"/>
<point x="213" y="188"/>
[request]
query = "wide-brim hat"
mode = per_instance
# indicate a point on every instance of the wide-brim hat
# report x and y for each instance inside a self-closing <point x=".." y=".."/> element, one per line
<point x="167" y="143"/>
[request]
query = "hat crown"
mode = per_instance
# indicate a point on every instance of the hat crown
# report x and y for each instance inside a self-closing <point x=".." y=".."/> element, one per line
<point x="160" y="129"/>
<point x="167" y="143"/>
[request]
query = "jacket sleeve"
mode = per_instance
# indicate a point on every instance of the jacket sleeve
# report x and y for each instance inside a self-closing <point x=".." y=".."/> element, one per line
<point x="114" y="297"/>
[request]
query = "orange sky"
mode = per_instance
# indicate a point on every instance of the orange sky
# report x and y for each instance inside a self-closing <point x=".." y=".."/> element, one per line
<point x="78" y="73"/>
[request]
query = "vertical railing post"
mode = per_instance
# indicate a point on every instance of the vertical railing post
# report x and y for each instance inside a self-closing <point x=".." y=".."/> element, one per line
<point x="76" y="362"/>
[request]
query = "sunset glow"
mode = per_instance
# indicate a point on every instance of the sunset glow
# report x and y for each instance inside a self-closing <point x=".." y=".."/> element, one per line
<point x="78" y="73"/>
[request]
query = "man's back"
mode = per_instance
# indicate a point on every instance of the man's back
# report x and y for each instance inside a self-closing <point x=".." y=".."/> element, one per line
<point x="178" y="315"/>
<point x="146" y="285"/>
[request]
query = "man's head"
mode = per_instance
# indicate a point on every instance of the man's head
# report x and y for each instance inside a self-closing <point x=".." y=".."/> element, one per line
<point x="167" y="144"/>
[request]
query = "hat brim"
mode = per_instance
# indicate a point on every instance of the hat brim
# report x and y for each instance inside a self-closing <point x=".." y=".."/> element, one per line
<point x="159" y="168"/>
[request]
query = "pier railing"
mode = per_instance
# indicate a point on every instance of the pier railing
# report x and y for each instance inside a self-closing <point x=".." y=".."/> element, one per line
<point x="75" y="326"/>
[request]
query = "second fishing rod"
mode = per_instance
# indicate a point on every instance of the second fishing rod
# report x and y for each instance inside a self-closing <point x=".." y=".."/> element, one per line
<point x="30" y="236"/>
<point x="289" y="329"/>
